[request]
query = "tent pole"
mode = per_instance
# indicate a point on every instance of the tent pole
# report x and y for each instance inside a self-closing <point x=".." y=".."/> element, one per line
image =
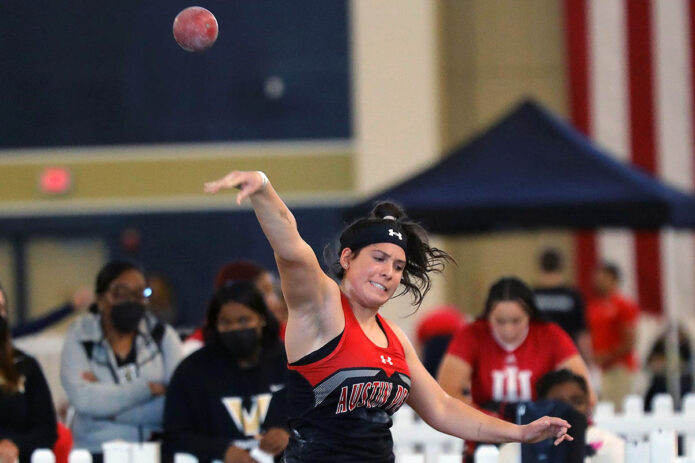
<point x="673" y="296"/>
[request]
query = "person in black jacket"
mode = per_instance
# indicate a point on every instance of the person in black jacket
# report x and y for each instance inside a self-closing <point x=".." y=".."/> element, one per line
<point x="229" y="397"/>
<point x="27" y="415"/>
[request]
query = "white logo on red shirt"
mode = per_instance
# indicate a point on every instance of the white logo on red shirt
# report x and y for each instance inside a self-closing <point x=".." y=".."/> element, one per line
<point x="386" y="360"/>
<point x="511" y="384"/>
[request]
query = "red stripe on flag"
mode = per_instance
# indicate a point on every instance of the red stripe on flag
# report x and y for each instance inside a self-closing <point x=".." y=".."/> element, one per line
<point x="577" y="43"/>
<point x="642" y="142"/>
<point x="576" y="39"/>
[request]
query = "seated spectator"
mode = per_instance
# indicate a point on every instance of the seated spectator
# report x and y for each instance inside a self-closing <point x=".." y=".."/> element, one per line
<point x="116" y="362"/>
<point x="229" y="397"/>
<point x="27" y="416"/>
<point x="656" y="365"/>
<point x="565" y="386"/>
<point x="434" y="332"/>
<point x="244" y="270"/>
<point x="495" y="360"/>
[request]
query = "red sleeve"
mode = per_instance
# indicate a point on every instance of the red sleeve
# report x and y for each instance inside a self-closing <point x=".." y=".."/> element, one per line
<point x="563" y="346"/>
<point x="464" y="345"/>
<point x="628" y="311"/>
<point x="197" y="335"/>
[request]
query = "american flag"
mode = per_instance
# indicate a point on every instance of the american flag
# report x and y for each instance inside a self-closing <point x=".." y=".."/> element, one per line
<point x="630" y="68"/>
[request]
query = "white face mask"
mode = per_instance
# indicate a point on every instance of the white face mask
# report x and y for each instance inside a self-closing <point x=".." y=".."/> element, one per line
<point x="507" y="346"/>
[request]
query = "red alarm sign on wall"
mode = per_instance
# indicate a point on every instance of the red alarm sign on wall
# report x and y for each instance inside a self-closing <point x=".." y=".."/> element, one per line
<point x="55" y="181"/>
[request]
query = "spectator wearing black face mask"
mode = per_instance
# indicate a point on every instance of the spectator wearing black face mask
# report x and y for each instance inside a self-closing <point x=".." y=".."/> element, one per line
<point x="229" y="397"/>
<point x="117" y="361"/>
<point x="27" y="417"/>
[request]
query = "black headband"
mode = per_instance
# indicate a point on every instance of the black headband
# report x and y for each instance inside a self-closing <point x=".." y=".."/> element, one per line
<point x="379" y="231"/>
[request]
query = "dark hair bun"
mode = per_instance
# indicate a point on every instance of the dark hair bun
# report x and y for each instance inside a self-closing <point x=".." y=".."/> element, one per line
<point x="387" y="208"/>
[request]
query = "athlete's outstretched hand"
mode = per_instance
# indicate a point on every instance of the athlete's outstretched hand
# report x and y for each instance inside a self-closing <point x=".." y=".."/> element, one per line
<point x="544" y="428"/>
<point x="248" y="182"/>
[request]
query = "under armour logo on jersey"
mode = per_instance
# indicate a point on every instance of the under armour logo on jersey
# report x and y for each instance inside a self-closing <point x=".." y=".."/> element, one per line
<point x="393" y="232"/>
<point x="386" y="360"/>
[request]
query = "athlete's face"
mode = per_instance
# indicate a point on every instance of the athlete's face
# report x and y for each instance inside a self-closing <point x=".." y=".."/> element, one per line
<point x="373" y="275"/>
<point x="509" y="321"/>
<point x="570" y="393"/>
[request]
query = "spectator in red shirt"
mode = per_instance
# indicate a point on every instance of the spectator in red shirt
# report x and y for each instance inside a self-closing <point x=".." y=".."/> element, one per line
<point x="612" y="320"/>
<point x="497" y="359"/>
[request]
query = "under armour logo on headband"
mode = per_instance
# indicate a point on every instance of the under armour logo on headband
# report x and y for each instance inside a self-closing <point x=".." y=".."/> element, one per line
<point x="392" y="232"/>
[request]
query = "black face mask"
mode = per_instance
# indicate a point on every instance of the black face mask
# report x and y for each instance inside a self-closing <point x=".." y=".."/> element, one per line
<point x="240" y="343"/>
<point x="126" y="316"/>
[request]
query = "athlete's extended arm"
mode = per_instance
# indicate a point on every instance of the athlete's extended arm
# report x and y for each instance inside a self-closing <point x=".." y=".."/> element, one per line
<point x="452" y="416"/>
<point x="303" y="281"/>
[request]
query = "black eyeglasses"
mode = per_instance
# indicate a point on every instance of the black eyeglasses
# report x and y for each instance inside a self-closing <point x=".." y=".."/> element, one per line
<point x="123" y="293"/>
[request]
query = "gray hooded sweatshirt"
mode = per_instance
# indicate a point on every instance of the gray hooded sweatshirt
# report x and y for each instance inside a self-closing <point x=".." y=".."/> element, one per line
<point x="119" y="405"/>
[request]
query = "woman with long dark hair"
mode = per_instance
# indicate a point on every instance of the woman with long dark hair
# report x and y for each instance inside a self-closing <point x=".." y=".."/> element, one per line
<point x="495" y="361"/>
<point x="229" y="397"/>
<point x="351" y="369"/>
<point x="27" y="415"/>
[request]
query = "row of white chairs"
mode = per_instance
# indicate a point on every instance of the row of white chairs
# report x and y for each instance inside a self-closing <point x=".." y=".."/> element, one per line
<point x="650" y="437"/>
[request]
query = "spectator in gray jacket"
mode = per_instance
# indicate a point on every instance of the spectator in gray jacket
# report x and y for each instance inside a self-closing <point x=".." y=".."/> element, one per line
<point x="117" y="361"/>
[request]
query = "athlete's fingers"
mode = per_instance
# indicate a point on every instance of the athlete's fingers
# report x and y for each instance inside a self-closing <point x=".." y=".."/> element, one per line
<point x="565" y="437"/>
<point x="230" y="180"/>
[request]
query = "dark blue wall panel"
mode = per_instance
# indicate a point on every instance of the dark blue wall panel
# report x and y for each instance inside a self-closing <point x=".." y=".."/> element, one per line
<point x="80" y="73"/>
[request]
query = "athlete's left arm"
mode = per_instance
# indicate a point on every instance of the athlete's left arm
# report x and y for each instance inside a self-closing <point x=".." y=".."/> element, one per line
<point x="451" y="416"/>
<point x="576" y="365"/>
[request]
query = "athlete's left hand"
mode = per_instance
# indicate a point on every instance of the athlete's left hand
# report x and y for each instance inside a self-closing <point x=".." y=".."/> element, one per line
<point x="544" y="428"/>
<point x="274" y="441"/>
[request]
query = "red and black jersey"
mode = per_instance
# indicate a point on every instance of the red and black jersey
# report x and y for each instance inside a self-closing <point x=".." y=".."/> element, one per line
<point x="341" y="397"/>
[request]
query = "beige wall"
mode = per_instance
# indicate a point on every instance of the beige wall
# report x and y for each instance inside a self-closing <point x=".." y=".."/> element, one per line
<point x="495" y="53"/>
<point x="395" y="89"/>
<point x="58" y="268"/>
<point x="396" y="104"/>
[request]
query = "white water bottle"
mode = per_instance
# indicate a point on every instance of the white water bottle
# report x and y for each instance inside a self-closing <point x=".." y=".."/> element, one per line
<point x="116" y="451"/>
<point x="185" y="458"/>
<point x="486" y="454"/>
<point x="80" y="456"/>
<point x="43" y="456"/>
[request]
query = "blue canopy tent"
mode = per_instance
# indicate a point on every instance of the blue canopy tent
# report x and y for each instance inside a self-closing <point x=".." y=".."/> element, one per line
<point x="532" y="170"/>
